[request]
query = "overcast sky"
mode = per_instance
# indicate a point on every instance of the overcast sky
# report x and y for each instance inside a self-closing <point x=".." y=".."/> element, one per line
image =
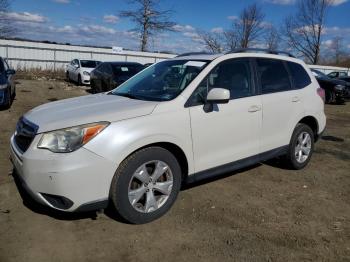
<point x="98" y="23"/>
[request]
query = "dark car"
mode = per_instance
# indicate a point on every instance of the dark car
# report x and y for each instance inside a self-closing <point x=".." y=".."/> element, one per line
<point x="7" y="84"/>
<point x="337" y="74"/>
<point x="336" y="90"/>
<point x="109" y="75"/>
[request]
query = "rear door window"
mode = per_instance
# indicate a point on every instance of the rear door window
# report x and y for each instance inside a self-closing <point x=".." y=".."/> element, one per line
<point x="300" y="77"/>
<point x="273" y="76"/>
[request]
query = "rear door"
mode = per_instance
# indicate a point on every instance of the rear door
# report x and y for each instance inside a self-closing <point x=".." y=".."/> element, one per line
<point x="282" y="104"/>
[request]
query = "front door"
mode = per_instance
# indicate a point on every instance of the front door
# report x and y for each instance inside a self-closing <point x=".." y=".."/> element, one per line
<point x="231" y="131"/>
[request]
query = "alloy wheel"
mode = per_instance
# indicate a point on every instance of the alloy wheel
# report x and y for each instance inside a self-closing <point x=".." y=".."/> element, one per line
<point x="150" y="186"/>
<point x="303" y="147"/>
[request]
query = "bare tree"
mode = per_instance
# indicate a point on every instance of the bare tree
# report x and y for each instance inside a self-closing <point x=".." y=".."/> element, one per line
<point x="213" y="41"/>
<point x="272" y="38"/>
<point x="337" y="48"/>
<point x="6" y="27"/>
<point x="231" y="40"/>
<point x="249" y="25"/>
<point x="304" y="30"/>
<point x="149" y="20"/>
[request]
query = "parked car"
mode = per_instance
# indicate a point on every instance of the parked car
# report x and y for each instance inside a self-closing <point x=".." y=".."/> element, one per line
<point x="336" y="90"/>
<point x="109" y="75"/>
<point x="180" y="120"/>
<point x="344" y="78"/>
<point x="79" y="70"/>
<point x="148" y="64"/>
<point x="7" y="84"/>
<point x="337" y="74"/>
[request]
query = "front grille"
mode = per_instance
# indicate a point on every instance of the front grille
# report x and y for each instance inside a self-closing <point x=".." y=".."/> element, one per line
<point x="25" y="133"/>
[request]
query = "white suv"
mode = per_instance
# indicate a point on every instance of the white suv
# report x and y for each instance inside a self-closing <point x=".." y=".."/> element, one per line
<point x="78" y="70"/>
<point x="179" y="120"/>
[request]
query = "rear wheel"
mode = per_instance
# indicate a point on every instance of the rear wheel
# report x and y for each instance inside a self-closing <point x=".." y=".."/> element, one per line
<point x="146" y="185"/>
<point x="330" y="96"/>
<point x="14" y="93"/>
<point x="301" y="147"/>
<point x="9" y="99"/>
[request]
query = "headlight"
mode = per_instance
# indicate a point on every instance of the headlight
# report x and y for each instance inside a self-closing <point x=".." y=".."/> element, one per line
<point x="70" y="139"/>
<point x="339" y="87"/>
<point x="86" y="73"/>
<point x="3" y="86"/>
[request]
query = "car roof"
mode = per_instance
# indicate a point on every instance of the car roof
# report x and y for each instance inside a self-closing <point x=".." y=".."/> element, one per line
<point x="247" y="52"/>
<point x="122" y="63"/>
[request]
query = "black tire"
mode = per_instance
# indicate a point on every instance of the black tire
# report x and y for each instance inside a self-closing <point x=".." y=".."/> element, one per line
<point x="92" y="86"/>
<point x="67" y="77"/>
<point x="14" y="93"/>
<point x="123" y="176"/>
<point x="79" y="80"/>
<point x="9" y="99"/>
<point x="330" y="97"/>
<point x="99" y="87"/>
<point x="290" y="158"/>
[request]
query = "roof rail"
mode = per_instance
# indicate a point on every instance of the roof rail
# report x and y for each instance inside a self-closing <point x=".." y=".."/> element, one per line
<point x="267" y="51"/>
<point x="195" y="53"/>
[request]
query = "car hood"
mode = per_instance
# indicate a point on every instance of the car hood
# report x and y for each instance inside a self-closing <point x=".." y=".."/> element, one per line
<point x="333" y="81"/>
<point x="87" y="109"/>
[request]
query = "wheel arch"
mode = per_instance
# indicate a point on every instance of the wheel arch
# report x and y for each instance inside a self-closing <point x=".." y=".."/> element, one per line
<point x="176" y="150"/>
<point x="312" y="123"/>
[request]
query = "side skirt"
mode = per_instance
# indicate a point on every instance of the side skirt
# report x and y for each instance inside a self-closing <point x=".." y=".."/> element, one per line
<point x="236" y="165"/>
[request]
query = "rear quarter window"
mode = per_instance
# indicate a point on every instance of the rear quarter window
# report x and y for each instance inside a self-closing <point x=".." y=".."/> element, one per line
<point x="299" y="76"/>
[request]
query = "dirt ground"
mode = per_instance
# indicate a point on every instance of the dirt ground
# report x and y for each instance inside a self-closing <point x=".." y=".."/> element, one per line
<point x="264" y="213"/>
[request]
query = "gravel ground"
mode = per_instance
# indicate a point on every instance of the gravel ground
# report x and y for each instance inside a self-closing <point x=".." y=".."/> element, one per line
<point x="264" y="213"/>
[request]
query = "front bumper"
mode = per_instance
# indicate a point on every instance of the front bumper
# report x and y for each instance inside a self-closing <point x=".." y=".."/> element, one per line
<point x="76" y="181"/>
<point x="342" y="94"/>
<point x="85" y="79"/>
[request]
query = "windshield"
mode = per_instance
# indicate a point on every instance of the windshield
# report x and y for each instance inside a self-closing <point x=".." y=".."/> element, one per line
<point x="319" y="74"/>
<point x="89" y="63"/>
<point x="162" y="81"/>
<point x="126" y="70"/>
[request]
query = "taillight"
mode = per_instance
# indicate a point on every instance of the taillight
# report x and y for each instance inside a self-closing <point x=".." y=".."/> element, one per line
<point x="321" y="93"/>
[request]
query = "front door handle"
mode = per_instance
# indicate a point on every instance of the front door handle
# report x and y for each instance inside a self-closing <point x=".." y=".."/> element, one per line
<point x="254" y="108"/>
<point x="295" y="99"/>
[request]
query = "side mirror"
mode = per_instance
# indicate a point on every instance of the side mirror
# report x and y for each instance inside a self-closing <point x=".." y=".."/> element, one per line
<point x="11" y="71"/>
<point x="218" y="96"/>
<point x="76" y="66"/>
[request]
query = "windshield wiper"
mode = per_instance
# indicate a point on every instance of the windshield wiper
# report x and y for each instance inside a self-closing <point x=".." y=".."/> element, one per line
<point x="128" y="95"/>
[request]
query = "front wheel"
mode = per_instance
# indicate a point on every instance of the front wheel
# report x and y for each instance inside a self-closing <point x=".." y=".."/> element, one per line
<point x="301" y="147"/>
<point x="330" y="97"/>
<point x="79" y="80"/>
<point x="146" y="185"/>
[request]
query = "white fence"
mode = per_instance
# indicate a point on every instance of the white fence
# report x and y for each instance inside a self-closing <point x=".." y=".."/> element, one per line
<point x="28" y="55"/>
<point x="329" y="69"/>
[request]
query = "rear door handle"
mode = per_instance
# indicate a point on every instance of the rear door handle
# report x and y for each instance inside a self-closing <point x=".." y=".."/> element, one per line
<point x="254" y="108"/>
<point x="295" y="99"/>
